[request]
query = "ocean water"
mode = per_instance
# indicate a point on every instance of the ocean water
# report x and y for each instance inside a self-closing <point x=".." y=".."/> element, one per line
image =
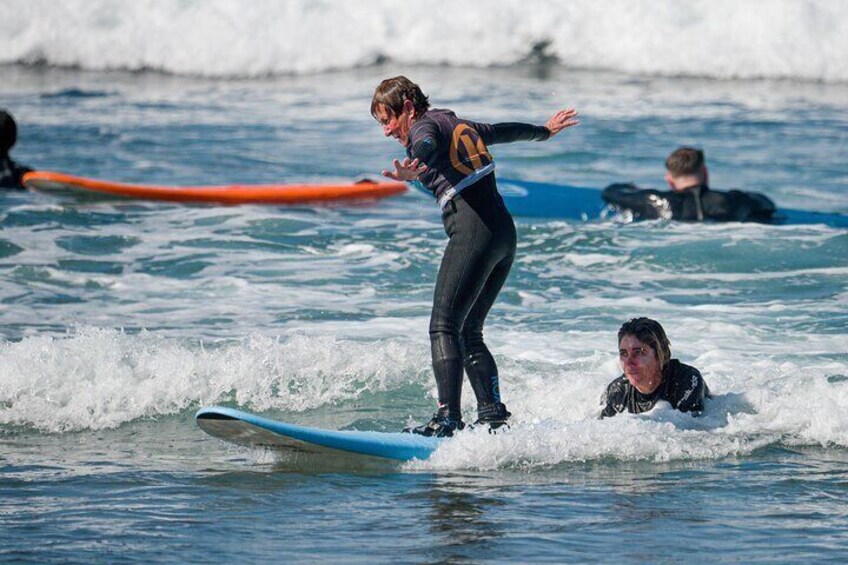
<point x="118" y="320"/>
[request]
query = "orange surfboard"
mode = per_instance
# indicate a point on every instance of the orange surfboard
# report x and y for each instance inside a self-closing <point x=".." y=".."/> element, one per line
<point x="59" y="183"/>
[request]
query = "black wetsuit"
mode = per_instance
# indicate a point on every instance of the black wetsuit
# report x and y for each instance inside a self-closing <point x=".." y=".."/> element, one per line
<point x="682" y="386"/>
<point x="480" y="249"/>
<point x="11" y="174"/>
<point x="692" y="205"/>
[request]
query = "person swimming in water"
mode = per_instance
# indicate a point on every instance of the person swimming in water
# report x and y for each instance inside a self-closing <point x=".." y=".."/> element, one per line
<point x="11" y="173"/>
<point x="690" y="199"/>
<point x="450" y="157"/>
<point x="650" y="374"/>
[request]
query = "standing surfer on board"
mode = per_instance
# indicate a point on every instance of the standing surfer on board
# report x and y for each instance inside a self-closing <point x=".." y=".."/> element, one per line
<point x="450" y="157"/>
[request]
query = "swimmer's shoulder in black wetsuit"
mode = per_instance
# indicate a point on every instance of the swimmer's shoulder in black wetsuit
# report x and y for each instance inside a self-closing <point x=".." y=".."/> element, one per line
<point x="683" y="387"/>
<point x="11" y="174"/>
<point x="699" y="203"/>
<point x="736" y="206"/>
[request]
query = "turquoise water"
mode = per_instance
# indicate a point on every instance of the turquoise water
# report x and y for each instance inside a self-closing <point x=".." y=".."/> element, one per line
<point x="120" y="319"/>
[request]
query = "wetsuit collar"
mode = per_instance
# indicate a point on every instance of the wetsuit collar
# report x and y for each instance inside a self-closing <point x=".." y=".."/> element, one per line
<point x="694" y="188"/>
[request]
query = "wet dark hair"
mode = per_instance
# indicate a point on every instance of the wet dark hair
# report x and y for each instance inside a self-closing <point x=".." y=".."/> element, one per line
<point x="685" y="161"/>
<point x="393" y="92"/>
<point x="649" y="332"/>
<point x="8" y="131"/>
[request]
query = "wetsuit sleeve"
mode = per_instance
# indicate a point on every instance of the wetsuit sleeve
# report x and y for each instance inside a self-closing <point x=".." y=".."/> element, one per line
<point x="507" y="132"/>
<point x="631" y="197"/>
<point x="692" y="392"/>
<point x="612" y="401"/>
<point x="626" y="195"/>
<point x="11" y="174"/>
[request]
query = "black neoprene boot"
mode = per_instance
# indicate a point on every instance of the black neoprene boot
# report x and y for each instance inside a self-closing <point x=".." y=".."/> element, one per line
<point x="441" y="425"/>
<point x="494" y="414"/>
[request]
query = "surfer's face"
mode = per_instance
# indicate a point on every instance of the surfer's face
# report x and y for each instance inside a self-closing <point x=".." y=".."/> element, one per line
<point x="396" y="126"/>
<point x="640" y="364"/>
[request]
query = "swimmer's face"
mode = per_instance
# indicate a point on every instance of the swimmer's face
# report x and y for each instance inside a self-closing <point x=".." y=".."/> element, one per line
<point x="396" y="126"/>
<point x="640" y="364"/>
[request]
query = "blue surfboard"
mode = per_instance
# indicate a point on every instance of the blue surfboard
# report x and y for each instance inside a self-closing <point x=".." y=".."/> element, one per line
<point x="544" y="200"/>
<point x="562" y="201"/>
<point x="250" y="430"/>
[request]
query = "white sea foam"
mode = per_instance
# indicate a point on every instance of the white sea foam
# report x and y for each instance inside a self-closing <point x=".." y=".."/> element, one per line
<point x="96" y="379"/>
<point x="761" y="396"/>
<point x="774" y="406"/>
<point x="801" y="39"/>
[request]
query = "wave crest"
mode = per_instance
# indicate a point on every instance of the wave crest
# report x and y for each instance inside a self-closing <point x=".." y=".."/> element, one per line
<point x="798" y="39"/>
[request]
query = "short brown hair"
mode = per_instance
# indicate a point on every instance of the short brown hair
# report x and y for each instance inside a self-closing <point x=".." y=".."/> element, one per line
<point x="649" y="332"/>
<point x="393" y="92"/>
<point x="685" y="161"/>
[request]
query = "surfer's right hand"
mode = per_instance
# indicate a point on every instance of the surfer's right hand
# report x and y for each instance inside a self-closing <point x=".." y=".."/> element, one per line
<point x="409" y="170"/>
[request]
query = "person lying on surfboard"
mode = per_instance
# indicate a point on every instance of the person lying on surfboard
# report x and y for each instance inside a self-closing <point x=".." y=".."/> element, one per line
<point x="650" y="374"/>
<point x="11" y="173"/>
<point x="450" y="157"/>
<point x="690" y="198"/>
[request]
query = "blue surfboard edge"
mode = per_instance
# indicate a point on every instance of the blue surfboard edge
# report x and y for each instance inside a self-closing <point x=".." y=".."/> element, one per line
<point x="387" y="445"/>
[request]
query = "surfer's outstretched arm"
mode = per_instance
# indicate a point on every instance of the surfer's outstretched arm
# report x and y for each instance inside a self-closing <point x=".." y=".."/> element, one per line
<point x="508" y="132"/>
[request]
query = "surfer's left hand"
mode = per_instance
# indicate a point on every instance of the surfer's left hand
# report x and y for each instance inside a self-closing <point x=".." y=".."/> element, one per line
<point x="561" y="120"/>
